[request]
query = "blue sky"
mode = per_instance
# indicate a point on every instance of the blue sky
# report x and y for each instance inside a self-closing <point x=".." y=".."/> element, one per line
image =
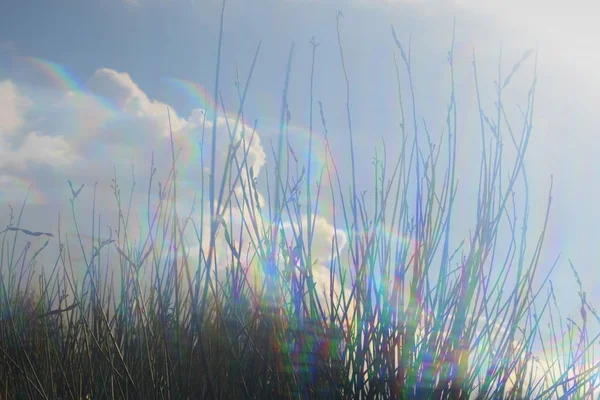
<point x="127" y="49"/>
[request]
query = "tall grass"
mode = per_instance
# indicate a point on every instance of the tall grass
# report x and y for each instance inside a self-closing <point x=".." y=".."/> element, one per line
<point x="402" y="310"/>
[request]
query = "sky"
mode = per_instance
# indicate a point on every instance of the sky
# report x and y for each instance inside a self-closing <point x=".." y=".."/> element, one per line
<point x="67" y="67"/>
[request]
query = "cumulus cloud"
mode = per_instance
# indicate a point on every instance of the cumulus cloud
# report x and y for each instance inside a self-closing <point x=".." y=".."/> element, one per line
<point x="39" y="149"/>
<point x="324" y="234"/>
<point x="13" y="106"/>
<point x="120" y="90"/>
<point x="87" y="136"/>
<point x="18" y="145"/>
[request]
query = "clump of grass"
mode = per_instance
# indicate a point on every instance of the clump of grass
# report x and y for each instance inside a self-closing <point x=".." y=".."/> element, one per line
<point x="251" y="314"/>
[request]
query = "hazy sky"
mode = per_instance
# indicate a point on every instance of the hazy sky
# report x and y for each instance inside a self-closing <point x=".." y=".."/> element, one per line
<point x="143" y="55"/>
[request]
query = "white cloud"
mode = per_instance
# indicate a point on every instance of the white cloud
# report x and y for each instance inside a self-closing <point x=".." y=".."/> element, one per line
<point x="13" y="106"/>
<point x="82" y="135"/>
<point x="18" y="146"/>
<point x="42" y="149"/>
<point x="324" y="235"/>
<point x="125" y="94"/>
